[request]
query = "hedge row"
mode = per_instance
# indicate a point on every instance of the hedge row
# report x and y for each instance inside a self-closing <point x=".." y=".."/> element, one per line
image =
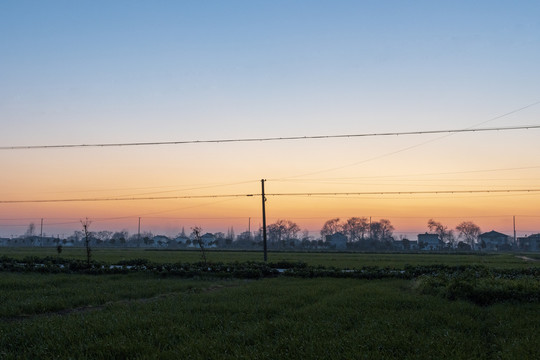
<point x="256" y="270"/>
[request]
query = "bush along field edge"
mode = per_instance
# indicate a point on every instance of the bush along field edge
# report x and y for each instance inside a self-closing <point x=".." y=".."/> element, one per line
<point x="479" y="284"/>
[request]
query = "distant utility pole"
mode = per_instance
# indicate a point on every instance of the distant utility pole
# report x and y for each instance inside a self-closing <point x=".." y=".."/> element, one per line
<point x="264" y="220"/>
<point x="41" y="234"/>
<point x="515" y="239"/>
<point x="139" y="234"/>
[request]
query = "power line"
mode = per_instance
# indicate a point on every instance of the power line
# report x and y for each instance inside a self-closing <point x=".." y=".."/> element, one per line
<point x="349" y="193"/>
<point x="441" y="192"/>
<point x="261" y="139"/>
<point x="124" y="198"/>
<point x="470" y="128"/>
<point x="409" y="175"/>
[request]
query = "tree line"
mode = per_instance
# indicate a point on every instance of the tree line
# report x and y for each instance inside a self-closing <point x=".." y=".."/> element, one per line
<point x="284" y="233"/>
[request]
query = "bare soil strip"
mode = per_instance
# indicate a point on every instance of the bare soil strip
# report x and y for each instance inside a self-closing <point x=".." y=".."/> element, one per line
<point x="526" y="258"/>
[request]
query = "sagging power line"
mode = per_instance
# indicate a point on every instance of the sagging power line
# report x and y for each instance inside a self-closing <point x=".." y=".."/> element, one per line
<point x="261" y="139"/>
<point x="348" y="193"/>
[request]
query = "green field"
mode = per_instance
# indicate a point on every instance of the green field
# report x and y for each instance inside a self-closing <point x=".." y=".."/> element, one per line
<point x="148" y="316"/>
<point x="341" y="260"/>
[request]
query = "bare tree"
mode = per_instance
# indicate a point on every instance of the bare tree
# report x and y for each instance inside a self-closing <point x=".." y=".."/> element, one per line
<point x="31" y="230"/>
<point x="103" y="236"/>
<point x="375" y="231"/>
<point x="469" y="231"/>
<point x="331" y="227"/>
<point x="282" y="230"/>
<point x="445" y="234"/>
<point x="355" y="228"/>
<point x="386" y="229"/>
<point x="291" y="229"/>
<point x="381" y="230"/>
<point x="86" y="224"/>
<point x="197" y="234"/>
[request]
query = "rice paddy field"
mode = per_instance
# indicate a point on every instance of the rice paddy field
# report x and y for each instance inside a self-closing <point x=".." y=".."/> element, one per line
<point x="147" y="316"/>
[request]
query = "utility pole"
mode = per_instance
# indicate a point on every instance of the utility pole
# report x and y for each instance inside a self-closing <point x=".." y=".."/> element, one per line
<point x="41" y="234"/>
<point x="139" y="234"/>
<point x="249" y="226"/>
<point x="515" y="239"/>
<point x="264" y="219"/>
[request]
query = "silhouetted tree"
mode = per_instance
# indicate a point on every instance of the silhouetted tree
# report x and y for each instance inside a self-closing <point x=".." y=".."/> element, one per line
<point x="469" y="231"/>
<point x="386" y="228"/>
<point x="381" y="230"/>
<point x="120" y="237"/>
<point x="331" y="227"/>
<point x="355" y="228"/>
<point x="197" y="236"/>
<point x="445" y="234"/>
<point x="30" y="231"/>
<point x="86" y="224"/>
<point x="282" y="230"/>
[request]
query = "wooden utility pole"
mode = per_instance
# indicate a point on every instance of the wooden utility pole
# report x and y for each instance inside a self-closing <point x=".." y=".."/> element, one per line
<point x="139" y="234"/>
<point x="41" y="234"/>
<point x="515" y="240"/>
<point x="264" y="220"/>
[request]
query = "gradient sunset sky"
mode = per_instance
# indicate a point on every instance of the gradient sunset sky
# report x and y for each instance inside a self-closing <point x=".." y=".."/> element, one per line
<point x="84" y="72"/>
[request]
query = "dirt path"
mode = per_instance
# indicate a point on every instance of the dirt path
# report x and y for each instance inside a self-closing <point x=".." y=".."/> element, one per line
<point x="526" y="258"/>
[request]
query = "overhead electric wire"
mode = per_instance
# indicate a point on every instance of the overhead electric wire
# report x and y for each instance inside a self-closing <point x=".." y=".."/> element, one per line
<point x="261" y="139"/>
<point x="124" y="198"/>
<point x="410" y="175"/>
<point x="470" y="128"/>
<point x="348" y="193"/>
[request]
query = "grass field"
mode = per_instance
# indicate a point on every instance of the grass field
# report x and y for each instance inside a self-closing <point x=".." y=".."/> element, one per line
<point x="146" y="316"/>
<point x="341" y="260"/>
<point x="143" y="317"/>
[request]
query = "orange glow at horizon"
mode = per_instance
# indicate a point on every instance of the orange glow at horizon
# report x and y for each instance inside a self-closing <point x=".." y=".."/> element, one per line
<point x="311" y="168"/>
<point x="409" y="215"/>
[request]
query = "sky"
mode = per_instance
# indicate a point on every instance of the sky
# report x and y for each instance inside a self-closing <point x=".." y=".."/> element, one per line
<point x="90" y="72"/>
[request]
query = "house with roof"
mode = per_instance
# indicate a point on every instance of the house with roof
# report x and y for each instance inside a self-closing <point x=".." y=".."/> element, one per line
<point x="160" y="241"/>
<point x="530" y="243"/>
<point x="208" y="240"/>
<point x="337" y="241"/>
<point x="182" y="240"/>
<point x="405" y="245"/>
<point x="495" y="241"/>
<point x="429" y="242"/>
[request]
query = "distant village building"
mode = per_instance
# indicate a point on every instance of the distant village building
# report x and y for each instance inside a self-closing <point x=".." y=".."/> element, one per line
<point x="494" y="241"/>
<point x="429" y="242"/>
<point x="337" y="241"/>
<point x="405" y="245"/>
<point x="530" y="243"/>
<point x="182" y="240"/>
<point x="208" y="240"/>
<point x="161" y="241"/>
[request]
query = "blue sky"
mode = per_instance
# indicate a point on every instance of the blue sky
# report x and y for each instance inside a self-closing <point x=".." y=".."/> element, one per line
<point x="254" y="67"/>
<point x="120" y="71"/>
